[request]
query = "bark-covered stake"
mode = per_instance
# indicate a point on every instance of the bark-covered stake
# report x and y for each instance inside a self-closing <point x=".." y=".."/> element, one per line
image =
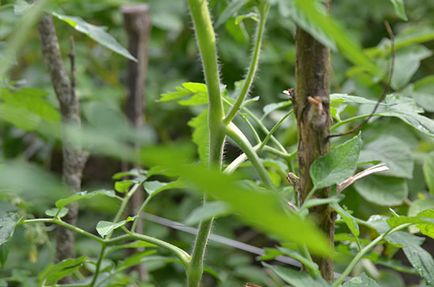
<point x="137" y="22"/>
<point x="74" y="158"/>
<point x="313" y="119"/>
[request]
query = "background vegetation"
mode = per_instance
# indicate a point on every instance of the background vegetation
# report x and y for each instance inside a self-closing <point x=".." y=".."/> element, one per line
<point x="31" y="152"/>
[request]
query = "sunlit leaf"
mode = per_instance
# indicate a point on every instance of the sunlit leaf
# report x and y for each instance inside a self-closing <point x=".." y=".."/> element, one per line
<point x="197" y="94"/>
<point x="105" y="228"/>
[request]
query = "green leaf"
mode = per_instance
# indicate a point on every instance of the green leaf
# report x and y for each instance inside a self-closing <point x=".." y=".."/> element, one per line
<point x="349" y="220"/>
<point x="99" y="34"/>
<point x="56" y="212"/>
<point x="399" y="9"/>
<point x="200" y="135"/>
<point x="83" y="195"/>
<point x="197" y="93"/>
<point x="8" y="221"/>
<point x="381" y="190"/>
<point x="428" y="171"/>
<point x="393" y="152"/>
<point x="123" y="186"/>
<point x="105" y="228"/>
<point x="296" y="278"/>
<point x="423" y="91"/>
<point x="310" y="16"/>
<point x="207" y="211"/>
<point x="155" y="187"/>
<point x="53" y="273"/>
<point x="260" y="209"/>
<point x="424" y="221"/>
<point x="134" y="259"/>
<point x="407" y="62"/>
<point x="337" y="165"/>
<point x="362" y="281"/>
<point x="406" y="109"/>
<point x="422" y="261"/>
<point x="230" y="10"/>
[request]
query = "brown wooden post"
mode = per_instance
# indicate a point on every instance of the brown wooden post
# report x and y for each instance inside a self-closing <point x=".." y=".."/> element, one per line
<point x="137" y="22"/>
<point x="313" y="120"/>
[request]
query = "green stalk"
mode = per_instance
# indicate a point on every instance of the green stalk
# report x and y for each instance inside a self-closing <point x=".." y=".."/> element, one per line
<point x="264" y="9"/>
<point x="236" y="135"/>
<point x="362" y="253"/>
<point x="206" y="42"/>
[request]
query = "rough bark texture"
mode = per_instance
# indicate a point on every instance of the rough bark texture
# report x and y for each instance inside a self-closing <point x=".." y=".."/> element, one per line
<point x="73" y="159"/>
<point x="313" y="119"/>
<point x="137" y="22"/>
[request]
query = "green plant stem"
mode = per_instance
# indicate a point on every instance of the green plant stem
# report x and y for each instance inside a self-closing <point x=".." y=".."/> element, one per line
<point x="348" y="120"/>
<point x="141" y="209"/>
<point x="65" y="225"/>
<point x="236" y="135"/>
<point x="183" y="256"/>
<point x="117" y="217"/>
<point x="362" y="253"/>
<point x="206" y="42"/>
<point x="264" y="9"/>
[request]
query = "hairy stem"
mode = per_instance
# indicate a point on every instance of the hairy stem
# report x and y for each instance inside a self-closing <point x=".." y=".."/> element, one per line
<point x="263" y="11"/>
<point x="206" y="42"/>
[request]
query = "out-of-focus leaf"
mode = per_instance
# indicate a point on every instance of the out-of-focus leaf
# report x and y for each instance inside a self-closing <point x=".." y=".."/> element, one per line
<point x="123" y="186"/>
<point x="362" y="281"/>
<point x="336" y="165"/>
<point x="8" y="221"/>
<point x="54" y="273"/>
<point x="134" y="260"/>
<point x="256" y="207"/>
<point x="197" y="93"/>
<point x="296" y="278"/>
<point x="200" y="135"/>
<point x="407" y="62"/>
<point x="231" y="9"/>
<point x="99" y="34"/>
<point x="310" y="16"/>
<point x="57" y="212"/>
<point x="105" y="228"/>
<point x="399" y="9"/>
<point x="393" y="152"/>
<point x="428" y="171"/>
<point x="381" y="190"/>
<point x="83" y="195"/>
<point x="423" y="91"/>
<point x="207" y="211"/>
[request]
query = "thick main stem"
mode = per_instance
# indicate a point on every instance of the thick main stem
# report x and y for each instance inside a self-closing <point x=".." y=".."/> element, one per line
<point x="313" y="120"/>
<point x="206" y="42"/>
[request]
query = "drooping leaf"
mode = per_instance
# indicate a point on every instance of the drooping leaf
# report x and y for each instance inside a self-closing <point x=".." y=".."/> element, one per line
<point x="83" y="195"/>
<point x="422" y="261"/>
<point x="8" y="221"/>
<point x="296" y="278"/>
<point x="337" y="165"/>
<point x="399" y="9"/>
<point x="381" y="190"/>
<point x="105" y="228"/>
<point x="99" y="34"/>
<point x="207" y="211"/>
<point x="361" y="281"/>
<point x="393" y="152"/>
<point x="201" y="135"/>
<point x="260" y="209"/>
<point x="53" y="273"/>
<point x="428" y="171"/>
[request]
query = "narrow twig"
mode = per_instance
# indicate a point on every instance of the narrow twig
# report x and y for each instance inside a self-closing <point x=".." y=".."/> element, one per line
<point x="386" y="88"/>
